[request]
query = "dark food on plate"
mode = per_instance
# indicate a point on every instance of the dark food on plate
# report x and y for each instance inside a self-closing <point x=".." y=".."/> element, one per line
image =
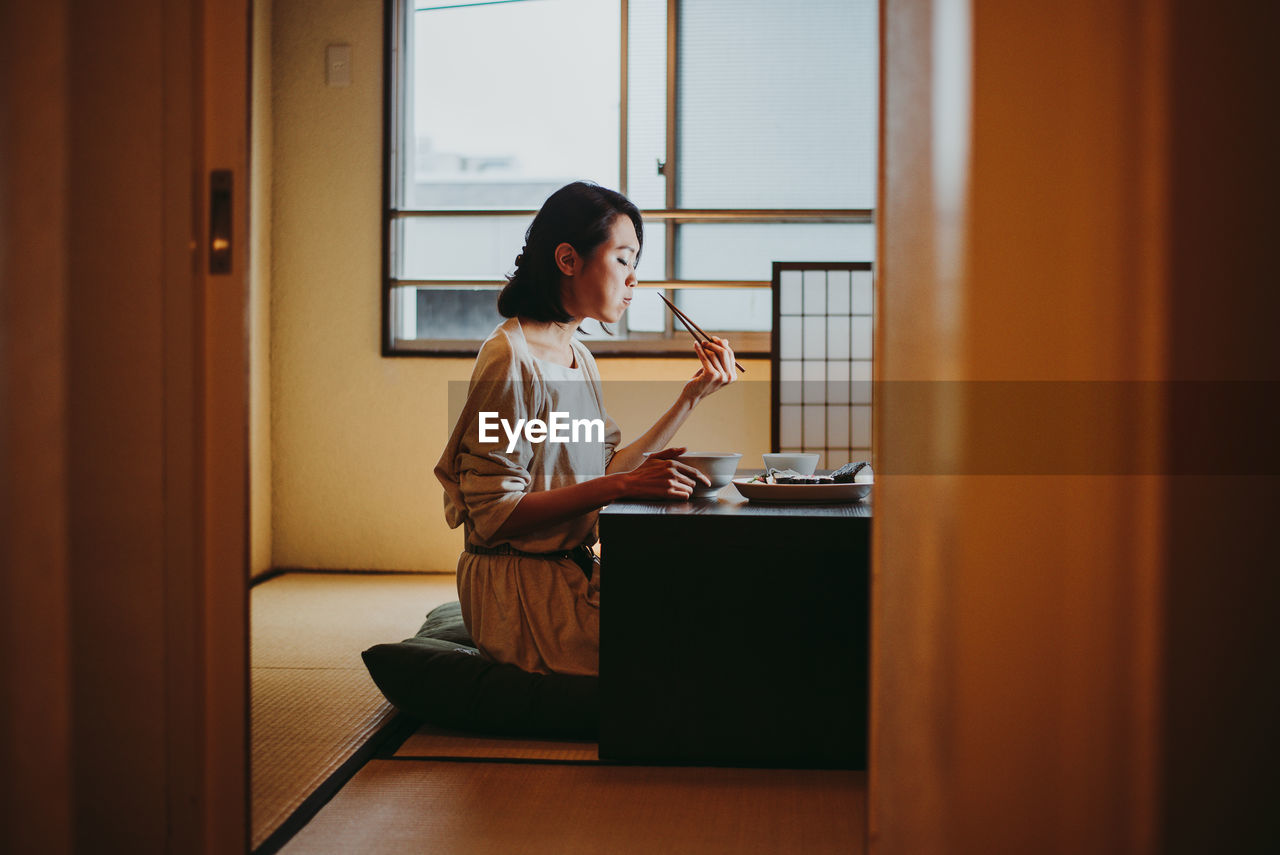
<point x="848" y="472"/>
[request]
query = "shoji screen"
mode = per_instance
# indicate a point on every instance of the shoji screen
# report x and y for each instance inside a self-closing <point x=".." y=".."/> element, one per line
<point x="822" y="321"/>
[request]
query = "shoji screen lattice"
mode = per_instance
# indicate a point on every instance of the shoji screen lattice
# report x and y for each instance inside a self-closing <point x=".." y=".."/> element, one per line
<point x="822" y="322"/>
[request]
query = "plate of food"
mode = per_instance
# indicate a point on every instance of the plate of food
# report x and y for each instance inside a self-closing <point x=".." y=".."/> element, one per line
<point x="850" y="483"/>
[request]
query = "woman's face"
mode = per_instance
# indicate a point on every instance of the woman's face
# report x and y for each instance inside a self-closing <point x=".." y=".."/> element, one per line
<point x="603" y="286"/>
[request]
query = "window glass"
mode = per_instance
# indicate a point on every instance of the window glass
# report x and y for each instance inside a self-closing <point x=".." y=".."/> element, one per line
<point x="646" y="102"/>
<point x="777" y="104"/>
<point x="728" y="308"/>
<point x="441" y="247"/>
<point x="492" y="85"/>
<point x="776" y="108"/>
<point x="646" y="312"/>
<point x="748" y="250"/>
<point x="455" y="313"/>
<point x="653" y="253"/>
<point x="460" y="313"/>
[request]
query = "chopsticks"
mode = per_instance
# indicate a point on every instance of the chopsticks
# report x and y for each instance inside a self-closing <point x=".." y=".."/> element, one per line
<point x="694" y="329"/>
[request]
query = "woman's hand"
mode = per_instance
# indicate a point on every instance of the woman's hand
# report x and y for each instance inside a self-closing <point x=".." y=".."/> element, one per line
<point x="718" y="369"/>
<point x="662" y="476"/>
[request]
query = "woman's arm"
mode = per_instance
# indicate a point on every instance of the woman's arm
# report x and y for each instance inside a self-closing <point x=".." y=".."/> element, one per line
<point x="717" y="371"/>
<point x="630" y="474"/>
<point x="660" y="476"/>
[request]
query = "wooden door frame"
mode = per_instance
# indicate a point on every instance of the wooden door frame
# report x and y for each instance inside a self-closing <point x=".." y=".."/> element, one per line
<point x="207" y="52"/>
<point x="224" y="427"/>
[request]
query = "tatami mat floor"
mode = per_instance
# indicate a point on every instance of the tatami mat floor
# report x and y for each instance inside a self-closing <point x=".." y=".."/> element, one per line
<point x="314" y="707"/>
<point x="313" y="704"/>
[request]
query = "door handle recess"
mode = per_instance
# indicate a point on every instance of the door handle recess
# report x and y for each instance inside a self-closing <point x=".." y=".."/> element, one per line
<point x="220" y="181"/>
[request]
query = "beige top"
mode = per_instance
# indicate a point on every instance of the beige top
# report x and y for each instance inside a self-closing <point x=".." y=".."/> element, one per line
<point x="540" y="614"/>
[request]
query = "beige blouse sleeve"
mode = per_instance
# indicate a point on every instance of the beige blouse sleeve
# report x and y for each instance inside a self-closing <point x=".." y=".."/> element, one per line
<point x="484" y="481"/>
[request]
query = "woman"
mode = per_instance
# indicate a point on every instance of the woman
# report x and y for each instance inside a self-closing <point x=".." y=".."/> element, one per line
<point x="528" y="582"/>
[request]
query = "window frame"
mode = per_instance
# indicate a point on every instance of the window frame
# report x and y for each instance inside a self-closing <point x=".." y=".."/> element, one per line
<point x="673" y="340"/>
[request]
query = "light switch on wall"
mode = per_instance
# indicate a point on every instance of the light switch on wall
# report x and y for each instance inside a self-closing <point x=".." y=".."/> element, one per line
<point x="337" y="66"/>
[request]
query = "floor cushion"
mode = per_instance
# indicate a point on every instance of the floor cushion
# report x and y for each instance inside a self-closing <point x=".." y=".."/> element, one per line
<point x="440" y="677"/>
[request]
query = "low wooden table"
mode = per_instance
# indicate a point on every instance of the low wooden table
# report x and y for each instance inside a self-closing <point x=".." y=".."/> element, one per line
<point x="733" y="632"/>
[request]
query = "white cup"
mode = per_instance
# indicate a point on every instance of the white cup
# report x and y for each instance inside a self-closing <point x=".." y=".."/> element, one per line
<point x="799" y="461"/>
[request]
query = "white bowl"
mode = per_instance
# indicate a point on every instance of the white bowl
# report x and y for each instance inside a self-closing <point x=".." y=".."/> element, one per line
<point x="799" y="461"/>
<point x="717" y="466"/>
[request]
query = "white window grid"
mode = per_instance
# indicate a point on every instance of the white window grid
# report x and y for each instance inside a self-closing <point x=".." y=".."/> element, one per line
<point x="822" y="360"/>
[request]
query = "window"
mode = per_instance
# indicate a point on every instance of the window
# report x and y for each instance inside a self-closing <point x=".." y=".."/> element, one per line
<point x="745" y="131"/>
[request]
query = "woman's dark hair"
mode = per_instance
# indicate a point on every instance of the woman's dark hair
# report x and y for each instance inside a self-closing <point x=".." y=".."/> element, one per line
<point x="580" y="214"/>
